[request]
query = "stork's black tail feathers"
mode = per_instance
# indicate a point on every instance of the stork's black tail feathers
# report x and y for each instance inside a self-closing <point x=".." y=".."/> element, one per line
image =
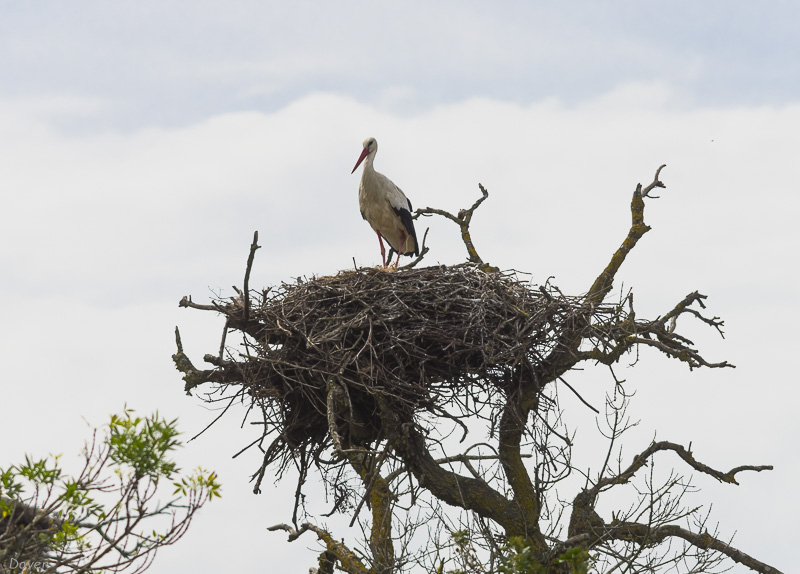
<point x="408" y="223"/>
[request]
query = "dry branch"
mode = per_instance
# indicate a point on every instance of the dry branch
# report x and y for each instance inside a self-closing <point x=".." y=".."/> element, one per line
<point x="645" y="535"/>
<point x="246" y="290"/>
<point x="640" y="460"/>
<point x="587" y="528"/>
<point x="348" y="560"/>
<point x="463" y="220"/>
<point x="602" y="285"/>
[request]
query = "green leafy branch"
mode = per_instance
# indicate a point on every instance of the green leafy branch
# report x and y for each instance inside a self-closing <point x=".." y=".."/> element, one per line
<point x="108" y="517"/>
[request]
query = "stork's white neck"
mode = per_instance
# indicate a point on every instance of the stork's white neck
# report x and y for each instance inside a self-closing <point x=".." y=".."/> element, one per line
<point x="369" y="170"/>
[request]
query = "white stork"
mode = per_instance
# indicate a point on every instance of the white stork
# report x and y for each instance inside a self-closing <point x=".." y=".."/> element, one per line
<point x="385" y="207"/>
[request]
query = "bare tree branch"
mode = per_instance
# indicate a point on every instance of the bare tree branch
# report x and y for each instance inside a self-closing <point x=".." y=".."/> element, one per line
<point x="643" y="534"/>
<point x="246" y="290"/>
<point x="640" y="460"/>
<point x="602" y="285"/>
<point x="348" y="561"/>
<point x="463" y="219"/>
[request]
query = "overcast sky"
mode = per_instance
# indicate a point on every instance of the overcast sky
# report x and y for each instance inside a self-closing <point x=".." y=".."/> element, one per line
<point x="142" y="143"/>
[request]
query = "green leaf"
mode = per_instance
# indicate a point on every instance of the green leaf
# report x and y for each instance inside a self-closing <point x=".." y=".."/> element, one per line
<point x="143" y="444"/>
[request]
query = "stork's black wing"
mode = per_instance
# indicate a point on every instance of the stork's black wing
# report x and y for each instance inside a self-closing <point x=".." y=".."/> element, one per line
<point x="408" y="223"/>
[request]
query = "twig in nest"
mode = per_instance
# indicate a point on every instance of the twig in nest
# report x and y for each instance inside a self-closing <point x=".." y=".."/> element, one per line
<point x="423" y="250"/>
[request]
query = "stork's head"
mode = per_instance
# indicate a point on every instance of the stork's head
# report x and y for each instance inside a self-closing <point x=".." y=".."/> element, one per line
<point x="370" y="147"/>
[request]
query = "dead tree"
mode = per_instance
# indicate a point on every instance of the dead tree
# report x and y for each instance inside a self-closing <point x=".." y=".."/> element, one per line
<point x="379" y="382"/>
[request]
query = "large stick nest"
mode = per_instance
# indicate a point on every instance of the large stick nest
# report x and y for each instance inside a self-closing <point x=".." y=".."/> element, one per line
<point x="417" y="340"/>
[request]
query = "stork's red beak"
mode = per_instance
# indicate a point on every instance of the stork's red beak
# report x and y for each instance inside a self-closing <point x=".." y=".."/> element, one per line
<point x="364" y="154"/>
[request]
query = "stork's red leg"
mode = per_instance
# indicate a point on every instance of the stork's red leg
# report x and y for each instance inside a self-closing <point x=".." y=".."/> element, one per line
<point x="402" y="249"/>
<point x="383" y="249"/>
